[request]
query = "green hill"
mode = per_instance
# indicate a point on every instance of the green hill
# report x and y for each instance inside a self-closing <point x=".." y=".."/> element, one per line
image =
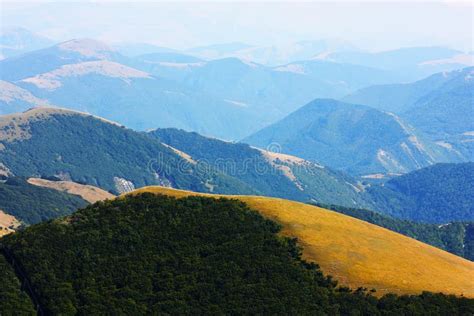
<point x="151" y="254"/>
<point x="79" y="147"/>
<point x="271" y="174"/>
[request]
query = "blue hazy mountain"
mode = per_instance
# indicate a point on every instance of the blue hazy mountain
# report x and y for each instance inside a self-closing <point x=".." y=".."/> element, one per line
<point x="216" y="51"/>
<point x="413" y="63"/>
<point x="87" y="75"/>
<point x="350" y="137"/>
<point x="227" y="98"/>
<point x="51" y="58"/>
<point x="18" y="40"/>
<point x="137" y="49"/>
<point x="273" y="55"/>
<point x="438" y="106"/>
<point x="269" y="93"/>
<point x="16" y="99"/>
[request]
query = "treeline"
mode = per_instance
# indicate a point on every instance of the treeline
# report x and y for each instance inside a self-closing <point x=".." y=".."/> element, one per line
<point x="153" y="254"/>
<point x="456" y="237"/>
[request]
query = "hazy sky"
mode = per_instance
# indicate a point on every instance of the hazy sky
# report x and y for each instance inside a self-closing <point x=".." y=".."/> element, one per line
<point x="370" y="25"/>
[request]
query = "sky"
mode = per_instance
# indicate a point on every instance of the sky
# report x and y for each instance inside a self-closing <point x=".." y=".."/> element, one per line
<point x="372" y="25"/>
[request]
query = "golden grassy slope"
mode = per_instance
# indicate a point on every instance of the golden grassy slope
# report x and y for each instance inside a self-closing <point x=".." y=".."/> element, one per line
<point x="8" y="223"/>
<point x="357" y="253"/>
<point x="88" y="192"/>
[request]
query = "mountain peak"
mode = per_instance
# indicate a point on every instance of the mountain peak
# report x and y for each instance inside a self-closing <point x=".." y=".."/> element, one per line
<point x="88" y="48"/>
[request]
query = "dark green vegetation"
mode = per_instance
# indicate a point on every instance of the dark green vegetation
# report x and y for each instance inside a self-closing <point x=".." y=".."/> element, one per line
<point x="88" y="150"/>
<point x="31" y="204"/>
<point x="156" y="254"/>
<point x="355" y="138"/>
<point x="438" y="194"/>
<point x="256" y="169"/>
<point x="13" y="301"/>
<point x="456" y="237"/>
<point x="85" y="149"/>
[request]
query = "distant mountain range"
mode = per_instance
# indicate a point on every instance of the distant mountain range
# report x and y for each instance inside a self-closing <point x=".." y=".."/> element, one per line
<point x="438" y="107"/>
<point x="167" y="88"/>
<point x="355" y="138"/>
<point x="18" y="40"/>
<point x="170" y="90"/>
<point x="412" y="62"/>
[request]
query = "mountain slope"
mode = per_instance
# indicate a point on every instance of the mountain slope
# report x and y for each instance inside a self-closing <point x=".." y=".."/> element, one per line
<point x="436" y="106"/>
<point x="18" y="40"/>
<point x="153" y="254"/>
<point x="357" y="253"/>
<point x="30" y="204"/>
<point x="15" y="99"/>
<point x="89" y="193"/>
<point x="227" y="98"/>
<point x="48" y="59"/>
<point x="436" y="194"/>
<point x="413" y="63"/>
<point x="350" y="137"/>
<point x="87" y="75"/>
<point x="79" y="147"/>
<point x="271" y="174"/>
<point x="398" y="98"/>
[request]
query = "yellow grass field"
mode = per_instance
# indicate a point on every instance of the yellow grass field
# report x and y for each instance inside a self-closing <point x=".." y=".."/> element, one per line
<point x="357" y="253"/>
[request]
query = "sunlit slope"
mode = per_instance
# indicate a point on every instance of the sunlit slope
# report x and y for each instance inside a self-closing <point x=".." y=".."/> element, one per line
<point x="357" y="253"/>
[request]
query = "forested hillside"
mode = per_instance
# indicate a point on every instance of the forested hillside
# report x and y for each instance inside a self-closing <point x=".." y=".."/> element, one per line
<point x="354" y="138"/>
<point x="271" y="174"/>
<point x="13" y="300"/>
<point x="82" y="148"/>
<point x="208" y="260"/>
<point x="438" y="194"/>
<point x="31" y="204"/>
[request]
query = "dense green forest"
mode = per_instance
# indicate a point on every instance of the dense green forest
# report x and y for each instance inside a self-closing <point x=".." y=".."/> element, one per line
<point x="153" y="254"/>
<point x="13" y="301"/>
<point x="32" y="204"/>
<point x="249" y="165"/>
<point x="441" y="193"/>
<point x="89" y="150"/>
<point x="456" y="237"/>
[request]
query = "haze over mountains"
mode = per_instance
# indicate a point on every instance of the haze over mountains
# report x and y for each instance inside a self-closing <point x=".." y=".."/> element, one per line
<point x="312" y="177"/>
